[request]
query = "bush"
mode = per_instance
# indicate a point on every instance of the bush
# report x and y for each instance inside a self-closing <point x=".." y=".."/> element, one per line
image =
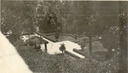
<point x="62" y="48"/>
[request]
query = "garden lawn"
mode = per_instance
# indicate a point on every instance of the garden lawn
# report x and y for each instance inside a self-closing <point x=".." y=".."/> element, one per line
<point x="39" y="61"/>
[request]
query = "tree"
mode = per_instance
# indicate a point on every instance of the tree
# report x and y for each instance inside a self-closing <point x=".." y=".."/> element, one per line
<point x="48" y="16"/>
<point x="110" y="40"/>
<point x="83" y="20"/>
<point x="123" y="37"/>
<point x="99" y="22"/>
<point x="90" y="32"/>
<point x="82" y="43"/>
<point x="57" y="36"/>
<point x="80" y="17"/>
<point x="19" y="21"/>
<point x="89" y="29"/>
<point x="62" y="48"/>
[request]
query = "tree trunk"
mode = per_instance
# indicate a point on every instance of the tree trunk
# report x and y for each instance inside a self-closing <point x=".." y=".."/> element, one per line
<point x="90" y="45"/>
<point x="35" y="46"/>
<point x="123" y="52"/>
<point x="45" y="47"/>
<point x="123" y="38"/>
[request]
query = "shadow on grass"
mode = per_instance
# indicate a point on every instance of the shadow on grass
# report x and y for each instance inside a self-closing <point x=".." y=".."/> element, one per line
<point x="101" y="56"/>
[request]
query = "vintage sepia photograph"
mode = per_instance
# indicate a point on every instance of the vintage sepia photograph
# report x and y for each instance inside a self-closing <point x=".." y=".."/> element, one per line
<point x="63" y="36"/>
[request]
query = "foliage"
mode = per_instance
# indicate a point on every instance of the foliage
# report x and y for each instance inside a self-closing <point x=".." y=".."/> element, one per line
<point x="83" y="43"/>
<point x="20" y="21"/>
<point x="62" y="48"/>
<point x="48" y="15"/>
<point x="110" y="39"/>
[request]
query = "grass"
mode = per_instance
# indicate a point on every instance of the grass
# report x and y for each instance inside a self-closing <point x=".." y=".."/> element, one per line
<point x="39" y="61"/>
